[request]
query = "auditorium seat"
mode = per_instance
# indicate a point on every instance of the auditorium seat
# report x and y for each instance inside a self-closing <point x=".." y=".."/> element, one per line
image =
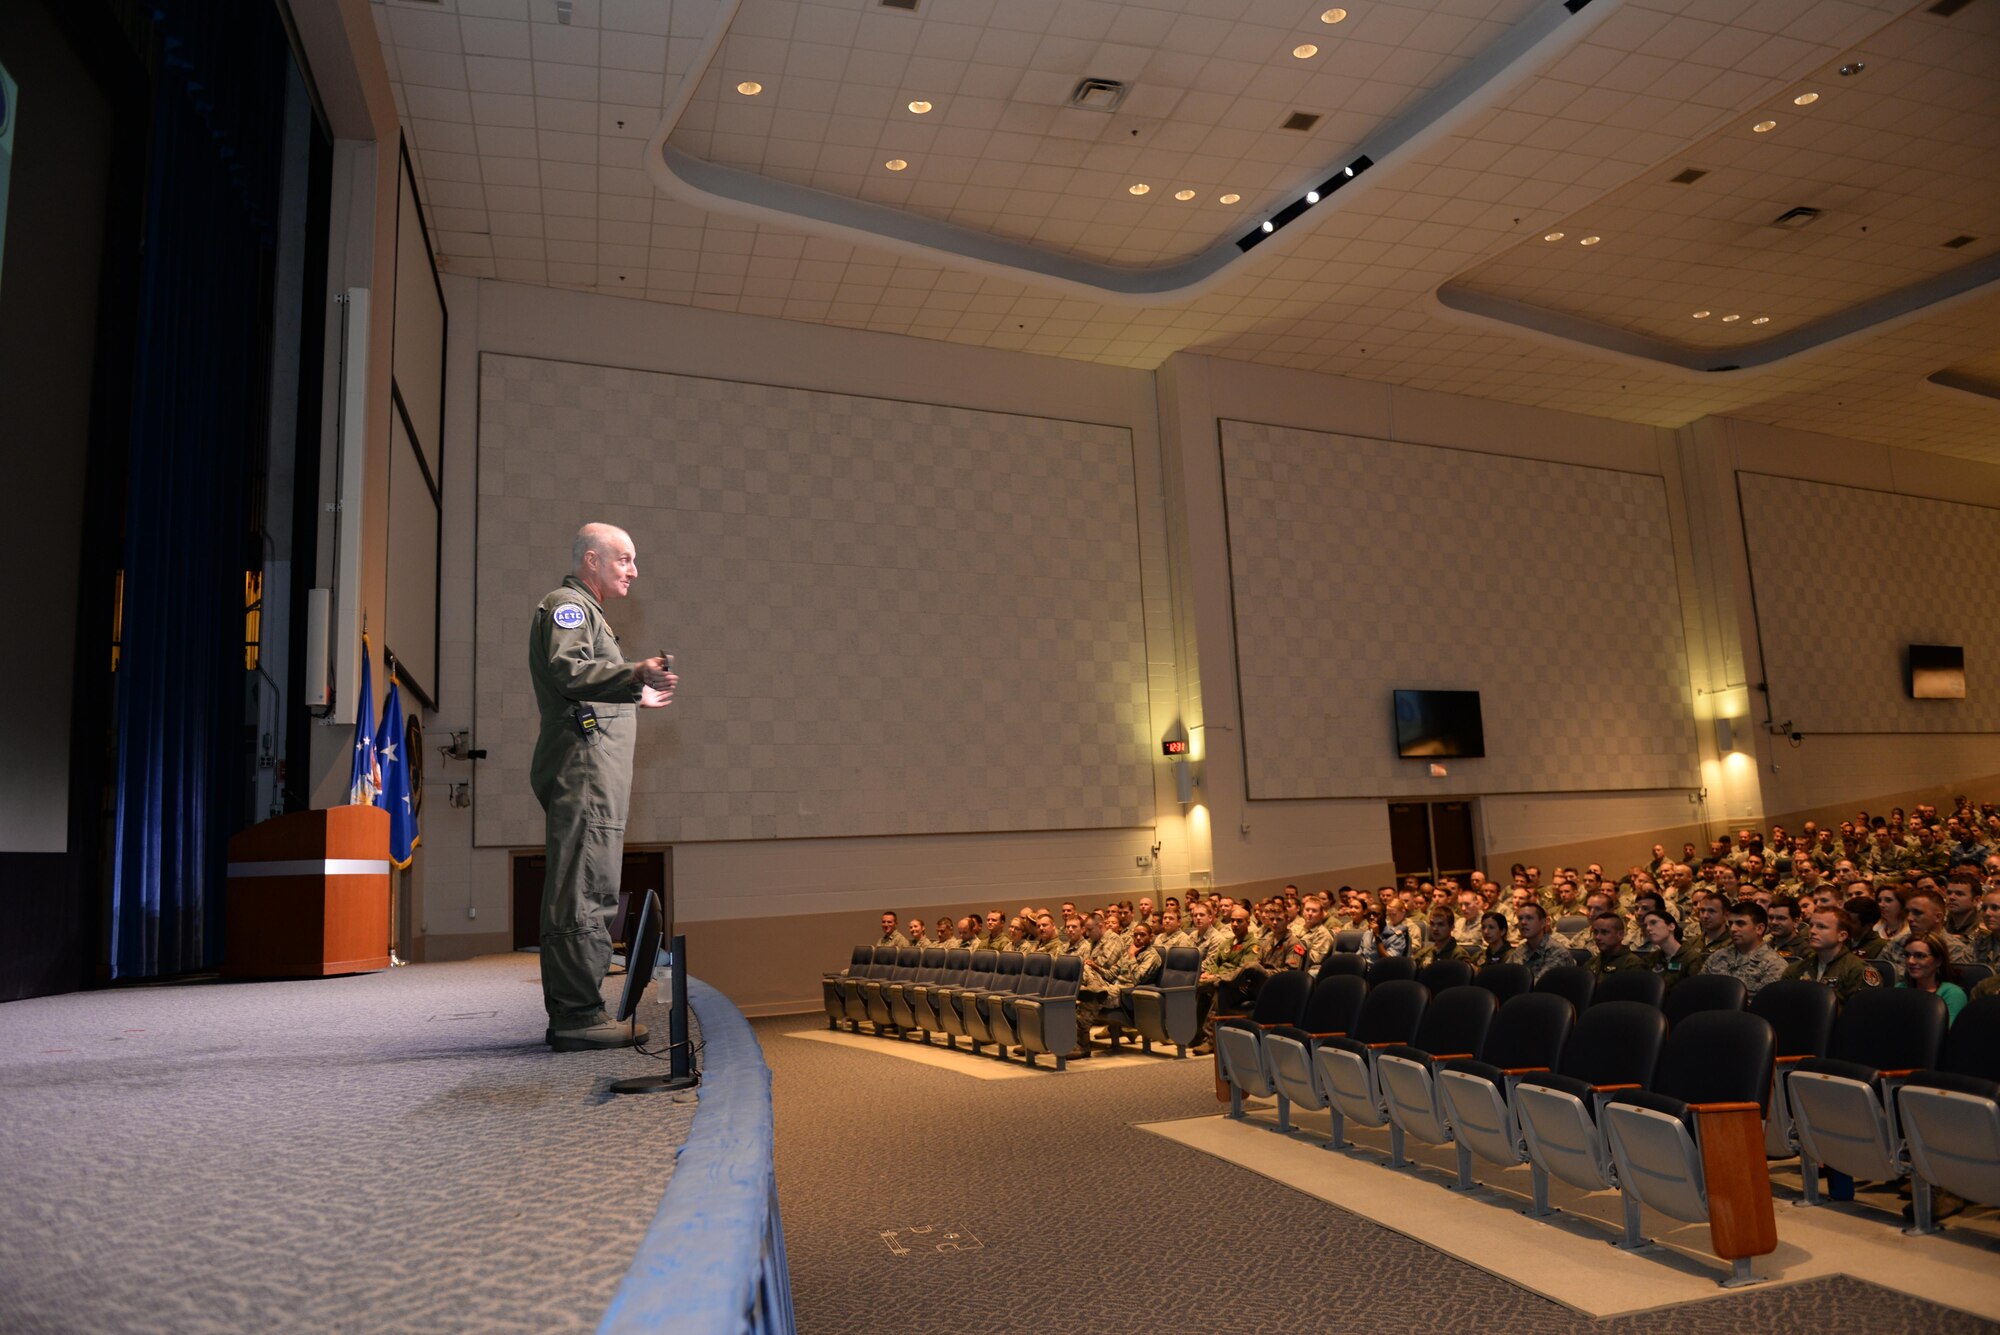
<point x="1353" y="965"/>
<point x="1347" y="941"/>
<point x="1843" y="1103"/>
<point x="1640" y="985"/>
<point x="1801" y="1014"/>
<point x="1391" y="969"/>
<point x="974" y="1007"/>
<point x="875" y="991"/>
<point x="1002" y="1009"/>
<point x="829" y="985"/>
<point x="1572" y="982"/>
<point x="1527" y="1038"/>
<point x="881" y="963"/>
<point x="1239" y="1042"/>
<point x="1951" y="1116"/>
<point x="1332" y="1007"/>
<point x="1346" y="1066"/>
<point x="1505" y="981"/>
<point x="925" y="994"/>
<point x="1047" y="1023"/>
<point x="1165" y="1012"/>
<point x="946" y="1000"/>
<point x="1453" y="1029"/>
<point x="1703" y="992"/>
<point x="897" y="989"/>
<point x="1969" y="976"/>
<point x="1571" y="924"/>
<point x="1445" y="974"/>
<point x="1615" y="1047"/>
<point x="1691" y="1145"/>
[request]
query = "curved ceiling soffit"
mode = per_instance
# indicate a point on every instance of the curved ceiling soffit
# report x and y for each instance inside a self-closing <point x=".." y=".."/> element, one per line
<point x="1512" y="59"/>
<point x="1511" y="316"/>
<point x="1959" y="385"/>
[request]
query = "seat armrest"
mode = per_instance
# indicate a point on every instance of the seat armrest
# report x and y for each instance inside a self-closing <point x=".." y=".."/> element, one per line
<point x="1330" y="1033"/>
<point x="1794" y="1059"/>
<point x="1450" y="1057"/>
<point x="1898" y="1075"/>
<point x="1723" y="1107"/>
<point x="1523" y="1070"/>
<point x="1376" y="1046"/>
<point x="1612" y="1089"/>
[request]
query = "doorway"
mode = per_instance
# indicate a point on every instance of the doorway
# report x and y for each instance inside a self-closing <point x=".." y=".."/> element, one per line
<point x="1433" y="839"/>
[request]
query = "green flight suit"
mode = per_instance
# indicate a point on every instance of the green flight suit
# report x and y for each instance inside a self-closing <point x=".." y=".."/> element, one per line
<point x="582" y="776"/>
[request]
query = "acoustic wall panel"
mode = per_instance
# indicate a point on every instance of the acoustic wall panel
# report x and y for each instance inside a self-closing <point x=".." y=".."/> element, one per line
<point x="1360" y="566"/>
<point x="889" y="617"/>
<point x="1846" y="579"/>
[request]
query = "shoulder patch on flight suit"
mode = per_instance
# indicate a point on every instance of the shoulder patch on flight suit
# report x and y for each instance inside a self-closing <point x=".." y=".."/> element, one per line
<point x="1871" y="976"/>
<point x="569" y="616"/>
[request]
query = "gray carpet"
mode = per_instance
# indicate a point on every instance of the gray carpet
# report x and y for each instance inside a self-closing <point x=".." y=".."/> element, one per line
<point x="1068" y="1219"/>
<point x="390" y="1152"/>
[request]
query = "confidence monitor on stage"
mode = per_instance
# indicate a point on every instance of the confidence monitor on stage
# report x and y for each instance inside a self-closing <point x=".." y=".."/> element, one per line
<point x="640" y="958"/>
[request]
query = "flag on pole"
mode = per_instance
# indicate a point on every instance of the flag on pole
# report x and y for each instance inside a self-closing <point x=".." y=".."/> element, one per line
<point x="395" y="795"/>
<point x="364" y="781"/>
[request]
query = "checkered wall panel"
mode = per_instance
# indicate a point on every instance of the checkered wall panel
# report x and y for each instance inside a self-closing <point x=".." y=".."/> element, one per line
<point x="1847" y="579"/>
<point x="888" y="617"/>
<point x="1360" y="566"/>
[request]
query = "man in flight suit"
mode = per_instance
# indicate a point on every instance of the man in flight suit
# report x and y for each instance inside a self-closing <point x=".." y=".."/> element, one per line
<point x="582" y="776"/>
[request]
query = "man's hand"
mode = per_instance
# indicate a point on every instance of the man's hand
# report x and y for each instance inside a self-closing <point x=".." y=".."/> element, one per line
<point x="655" y="673"/>
<point x="652" y="699"/>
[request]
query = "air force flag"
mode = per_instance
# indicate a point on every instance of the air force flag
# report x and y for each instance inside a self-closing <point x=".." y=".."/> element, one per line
<point x="395" y="797"/>
<point x="364" y="780"/>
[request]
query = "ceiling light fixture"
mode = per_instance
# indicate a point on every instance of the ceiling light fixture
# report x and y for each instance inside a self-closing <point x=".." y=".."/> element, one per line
<point x="1762" y="319"/>
<point x="1852" y="67"/>
<point x="1552" y="236"/>
<point x="920" y="107"/>
<point x="1183" y="195"/>
<point x="895" y="164"/>
<point x="1305" y="50"/>
<point x="1805" y="99"/>
<point x="1731" y="319"/>
<point x="1267" y="226"/>
<point x="1703" y="315"/>
<point x="1231" y="197"/>
<point x="749" y="88"/>
<point x="1763" y="127"/>
<point x="1312" y="196"/>
<point x="1333" y="16"/>
<point x="1139" y="188"/>
<point x="1590" y="241"/>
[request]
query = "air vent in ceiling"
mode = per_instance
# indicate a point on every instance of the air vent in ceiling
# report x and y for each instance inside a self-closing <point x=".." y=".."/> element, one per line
<point x="1689" y="176"/>
<point x="1959" y="242"/>
<point x="1098" y="94"/>
<point x="1301" y="120"/>
<point x="899" y="4"/>
<point x="1944" y="9"/>
<point x="1793" y="219"/>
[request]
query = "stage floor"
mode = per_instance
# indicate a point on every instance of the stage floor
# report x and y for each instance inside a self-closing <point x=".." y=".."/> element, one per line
<point x="387" y="1152"/>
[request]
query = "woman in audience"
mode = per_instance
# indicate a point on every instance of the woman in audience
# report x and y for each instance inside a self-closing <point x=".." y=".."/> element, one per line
<point x="1394" y="935"/>
<point x="1669" y="957"/>
<point x="1892" y="923"/>
<point x="1493" y="939"/>
<point x="1924" y="961"/>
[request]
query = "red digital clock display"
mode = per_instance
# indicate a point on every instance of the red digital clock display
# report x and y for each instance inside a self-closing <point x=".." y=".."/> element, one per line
<point x="1174" y="747"/>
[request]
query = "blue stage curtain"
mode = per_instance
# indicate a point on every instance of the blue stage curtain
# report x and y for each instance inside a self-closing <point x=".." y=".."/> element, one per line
<point x="198" y="426"/>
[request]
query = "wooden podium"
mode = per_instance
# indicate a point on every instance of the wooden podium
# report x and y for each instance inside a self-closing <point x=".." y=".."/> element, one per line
<point x="309" y="895"/>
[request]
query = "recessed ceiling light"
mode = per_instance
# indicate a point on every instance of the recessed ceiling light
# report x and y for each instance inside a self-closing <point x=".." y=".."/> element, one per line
<point x="1703" y="315"/>
<point x="1763" y="127"/>
<point x="1270" y="226"/>
<point x="1805" y="99"/>
<point x="1139" y="188"/>
<point x="1333" y="16"/>
<point x="1552" y="236"/>
<point x="920" y="107"/>
<point x="1590" y="241"/>
<point x="1305" y="50"/>
<point x="1312" y="196"/>
<point x="1731" y="319"/>
<point x="749" y="88"/>
<point x="895" y="164"/>
<point x="1183" y="195"/>
<point x="1231" y="197"/>
<point x="1762" y="319"/>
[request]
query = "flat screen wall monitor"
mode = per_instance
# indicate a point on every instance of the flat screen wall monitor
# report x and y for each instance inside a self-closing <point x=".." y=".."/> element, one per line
<point x="1937" y="672"/>
<point x="1439" y="724"/>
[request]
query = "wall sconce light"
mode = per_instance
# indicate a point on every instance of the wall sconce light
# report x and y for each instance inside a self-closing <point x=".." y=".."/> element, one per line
<point x="1725" y="736"/>
<point x="1184" y="781"/>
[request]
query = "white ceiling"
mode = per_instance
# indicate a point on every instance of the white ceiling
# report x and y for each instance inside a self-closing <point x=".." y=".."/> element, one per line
<point x="530" y="141"/>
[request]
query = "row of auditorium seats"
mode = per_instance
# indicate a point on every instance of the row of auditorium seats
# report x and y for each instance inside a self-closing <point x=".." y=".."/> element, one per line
<point x="1003" y="999"/>
<point x="1615" y="1091"/>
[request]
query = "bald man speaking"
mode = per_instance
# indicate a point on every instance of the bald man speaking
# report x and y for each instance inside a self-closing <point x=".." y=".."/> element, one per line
<point x="582" y="775"/>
